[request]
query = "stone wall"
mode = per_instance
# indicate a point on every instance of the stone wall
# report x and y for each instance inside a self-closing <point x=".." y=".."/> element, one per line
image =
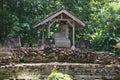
<point x="75" y="70"/>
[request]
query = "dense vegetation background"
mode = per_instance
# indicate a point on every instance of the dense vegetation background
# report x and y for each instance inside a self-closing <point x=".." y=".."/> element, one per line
<point x="102" y="19"/>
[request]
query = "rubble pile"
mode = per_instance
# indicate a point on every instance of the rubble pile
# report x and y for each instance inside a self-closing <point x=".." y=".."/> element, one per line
<point x="5" y="56"/>
<point x="30" y="55"/>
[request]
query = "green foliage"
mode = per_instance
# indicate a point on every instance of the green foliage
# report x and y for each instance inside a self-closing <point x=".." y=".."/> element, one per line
<point x="3" y="77"/>
<point x="117" y="77"/>
<point x="106" y="34"/>
<point x="58" y="76"/>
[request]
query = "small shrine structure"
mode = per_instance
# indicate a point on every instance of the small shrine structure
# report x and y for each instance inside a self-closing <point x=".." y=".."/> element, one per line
<point x="66" y="20"/>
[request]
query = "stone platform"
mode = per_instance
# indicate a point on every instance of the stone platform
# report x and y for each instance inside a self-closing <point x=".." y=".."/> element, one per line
<point x="62" y="42"/>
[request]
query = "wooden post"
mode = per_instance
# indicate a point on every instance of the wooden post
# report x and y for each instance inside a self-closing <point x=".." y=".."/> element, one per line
<point x="43" y="44"/>
<point x="19" y="42"/>
<point x="73" y="39"/>
<point x="49" y="30"/>
<point x="61" y="17"/>
<point x="42" y="35"/>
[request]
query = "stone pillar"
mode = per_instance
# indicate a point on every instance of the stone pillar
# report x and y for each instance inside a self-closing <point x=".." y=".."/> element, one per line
<point x="67" y="31"/>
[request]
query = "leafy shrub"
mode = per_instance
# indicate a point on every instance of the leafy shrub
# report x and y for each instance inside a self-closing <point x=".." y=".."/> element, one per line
<point x="2" y="77"/>
<point x="58" y="76"/>
<point x="117" y="77"/>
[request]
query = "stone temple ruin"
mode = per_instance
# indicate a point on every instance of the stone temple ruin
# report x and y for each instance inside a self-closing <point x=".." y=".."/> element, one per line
<point x="66" y="20"/>
<point x="58" y="47"/>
